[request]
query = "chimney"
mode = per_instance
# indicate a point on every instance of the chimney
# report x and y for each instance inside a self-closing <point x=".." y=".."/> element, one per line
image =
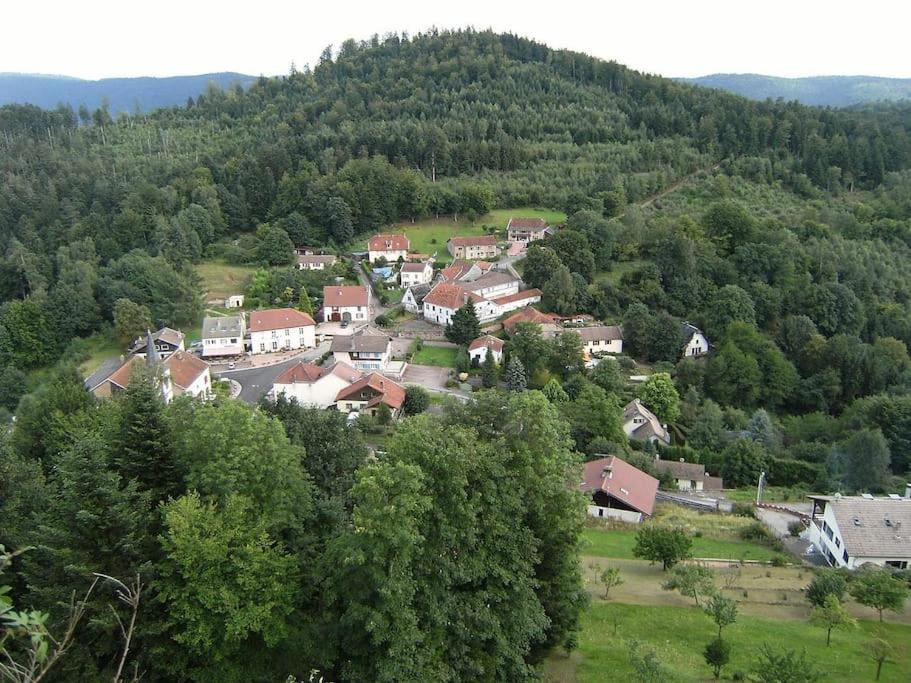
<point x="607" y="472"/>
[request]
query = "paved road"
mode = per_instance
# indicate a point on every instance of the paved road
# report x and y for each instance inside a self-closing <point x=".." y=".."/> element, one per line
<point x="257" y="381"/>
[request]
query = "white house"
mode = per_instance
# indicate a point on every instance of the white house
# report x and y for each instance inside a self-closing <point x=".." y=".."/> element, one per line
<point x="413" y="274"/>
<point x="189" y="375"/>
<point x="223" y="335"/>
<point x="235" y="301"/>
<point x="315" y="261"/>
<point x="178" y="374"/>
<point x="642" y="424"/>
<point x="442" y="302"/>
<point x="850" y="531"/>
<point x="601" y="339"/>
<point x="346" y="303"/>
<point x="695" y="342"/>
<point x="312" y="385"/>
<point x="413" y="298"/>
<point x="480" y="347"/>
<point x="476" y="247"/>
<point x="390" y="247"/>
<point x="281" y="329"/>
<point x="367" y="349"/>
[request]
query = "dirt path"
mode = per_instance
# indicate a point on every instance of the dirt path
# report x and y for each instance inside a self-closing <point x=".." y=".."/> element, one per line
<point x="676" y="186"/>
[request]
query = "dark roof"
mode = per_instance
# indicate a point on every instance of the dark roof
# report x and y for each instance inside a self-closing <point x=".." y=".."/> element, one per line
<point x="366" y="339"/>
<point x="625" y="482"/>
<point x="420" y="291"/>
<point x="600" y="332"/>
<point x="105" y="370"/>
<point x="681" y="470"/>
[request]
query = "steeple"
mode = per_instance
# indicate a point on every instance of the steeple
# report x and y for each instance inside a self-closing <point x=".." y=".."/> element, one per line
<point x="152" y="358"/>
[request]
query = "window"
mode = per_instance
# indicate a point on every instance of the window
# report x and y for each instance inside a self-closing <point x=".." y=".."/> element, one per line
<point x="897" y="564"/>
<point x="262" y="347"/>
<point x="837" y="542"/>
<point x="287" y="331"/>
<point x="274" y="345"/>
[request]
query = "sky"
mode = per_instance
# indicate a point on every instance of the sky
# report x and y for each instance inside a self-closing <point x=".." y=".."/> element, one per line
<point x="102" y="38"/>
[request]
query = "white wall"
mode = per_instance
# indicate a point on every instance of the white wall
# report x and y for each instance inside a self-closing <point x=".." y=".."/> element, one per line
<point x="391" y="256"/>
<point x="320" y="394"/>
<point x="269" y="341"/>
<point x="605" y="346"/>
<point x="698" y="345"/>
<point x="438" y="314"/>
<point x="612" y="513"/>
<point x="411" y="279"/>
<point x="481" y="354"/>
<point x="520" y="303"/>
<point x="222" y="346"/>
<point x="201" y="386"/>
<point x="377" y="361"/>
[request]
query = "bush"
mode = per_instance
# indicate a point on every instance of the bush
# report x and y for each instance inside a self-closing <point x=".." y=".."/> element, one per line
<point x="757" y="532"/>
<point x="383" y="321"/>
<point x="796" y="528"/>
<point x="744" y="510"/>
<point x="779" y="561"/>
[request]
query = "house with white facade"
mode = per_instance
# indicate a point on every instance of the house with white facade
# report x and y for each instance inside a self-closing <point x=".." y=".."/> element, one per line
<point x="346" y="303"/>
<point x="441" y="303"/>
<point x="526" y="229"/>
<point x="390" y="247"/>
<point x="413" y="298"/>
<point x="473" y="248"/>
<point x="413" y="274"/>
<point x="480" y="347"/>
<point x="851" y="531"/>
<point x="315" y="261"/>
<point x="314" y="386"/>
<point x="178" y="374"/>
<point x="618" y="490"/>
<point x="642" y="424"/>
<point x="235" y="301"/>
<point x="223" y="335"/>
<point x="695" y="343"/>
<point x="601" y="339"/>
<point x="367" y="349"/>
<point x="688" y="476"/>
<point x="281" y="329"/>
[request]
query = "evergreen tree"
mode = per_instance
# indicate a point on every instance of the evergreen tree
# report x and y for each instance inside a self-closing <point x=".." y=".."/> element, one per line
<point x="489" y="371"/>
<point x="464" y="327"/>
<point x="515" y="375"/>
<point x="303" y="302"/>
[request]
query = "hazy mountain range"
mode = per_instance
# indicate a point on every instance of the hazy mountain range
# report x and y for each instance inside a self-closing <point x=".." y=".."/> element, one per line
<point x="834" y="91"/>
<point x="123" y="94"/>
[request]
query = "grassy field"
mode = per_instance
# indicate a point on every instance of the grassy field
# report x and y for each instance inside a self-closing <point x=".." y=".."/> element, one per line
<point x="220" y="280"/>
<point x="444" y="356"/>
<point x="771" y="494"/>
<point x="678" y="635"/>
<point x="430" y="235"/>
<point x="100" y="348"/>
<point x="617" y="271"/>
<point x="619" y="543"/>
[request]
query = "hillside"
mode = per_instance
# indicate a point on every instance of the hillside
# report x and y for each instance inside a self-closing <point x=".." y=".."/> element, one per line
<point x="825" y="91"/>
<point x="122" y="94"/>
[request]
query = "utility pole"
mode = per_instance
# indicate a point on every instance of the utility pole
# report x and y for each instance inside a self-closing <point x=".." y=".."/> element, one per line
<point x="759" y="487"/>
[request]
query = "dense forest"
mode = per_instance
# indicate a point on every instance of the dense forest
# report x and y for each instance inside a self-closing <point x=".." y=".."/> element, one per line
<point x="262" y="540"/>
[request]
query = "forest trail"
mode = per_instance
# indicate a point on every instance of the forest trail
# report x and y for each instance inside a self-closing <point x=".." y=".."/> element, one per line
<point x="677" y="185"/>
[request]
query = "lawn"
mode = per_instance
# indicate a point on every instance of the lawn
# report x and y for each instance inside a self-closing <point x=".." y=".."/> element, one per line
<point x="678" y="635"/>
<point x="100" y="347"/>
<point x="220" y="279"/>
<point x="444" y="356"/>
<point x="618" y="543"/>
<point x="430" y="235"/>
<point x="770" y="494"/>
<point x="617" y="271"/>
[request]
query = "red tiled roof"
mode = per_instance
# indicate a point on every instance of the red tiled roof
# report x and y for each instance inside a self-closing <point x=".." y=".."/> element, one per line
<point x="121" y="376"/>
<point x="383" y="242"/>
<point x="487" y="340"/>
<point x="478" y="241"/>
<point x="300" y="372"/>
<point x="527" y="223"/>
<point x="625" y="483"/>
<point x="345" y="295"/>
<point x="389" y="392"/>
<point x="185" y="368"/>
<point x="518" y="296"/>
<point x="529" y="315"/>
<point x="278" y="319"/>
<point x="413" y="267"/>
<point x="446" y="295"/>
<point x="460" y="267"/>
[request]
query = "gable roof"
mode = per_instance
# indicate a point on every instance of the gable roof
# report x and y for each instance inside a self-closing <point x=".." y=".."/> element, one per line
<point x="185" y="368"/>
<point x="308" y="373"/>
<point x="384" y="242"/>
<point x="488" y="341"/>
<point x="491" y="278"/>
<point x="527" y="223"/>
<point x="105" y="370"/>
<point x="446" y="295"/>
<point x="419" y="292"/>
<point x="316" y="258"/>
<point x="518" y="296"/>
<point x="651" y="426"/>
<point x="121" y="376"/>
<point x="220" y="326"/>
<point x="625" y="483"/>
<point x="388" y="392"/>
<point x="873" y="527"/>
<point x="681" y="470"/>
<point x="599" y="333"/>
<point x="529" y="315"/>
<point x="414" y="267"/>
<point x="460" y="268"/>
<point x="345" y="296"/>
<point x="474" y="241"/>
<point x="367" y="339"/>
<point x="278" y="319"/>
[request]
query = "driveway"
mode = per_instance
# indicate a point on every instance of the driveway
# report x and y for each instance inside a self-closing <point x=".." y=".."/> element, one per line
<point x="255" y="382"/>
<point x="431" y="377"/>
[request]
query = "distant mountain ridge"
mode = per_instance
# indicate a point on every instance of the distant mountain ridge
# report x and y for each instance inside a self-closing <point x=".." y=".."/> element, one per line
<point x="123" y="94"/>
<point x="832" y="91"/>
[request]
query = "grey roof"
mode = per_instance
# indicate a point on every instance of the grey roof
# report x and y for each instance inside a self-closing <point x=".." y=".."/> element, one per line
<point x="606" y="332"/>
<point x="687" y="330"/>
<point x="365" y="340"/>
<point x="420" y="291"/>
<point x="681" y="470"/>
<point x="873" y="527"/>
<point x="491" y="278"/>
<point x="652" y="425"/>
<point x="105" y="370"/>
<point x="219" y="326"/>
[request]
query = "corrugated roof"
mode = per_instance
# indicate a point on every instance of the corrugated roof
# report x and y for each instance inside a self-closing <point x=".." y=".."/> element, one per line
<point x="625" y="482"/>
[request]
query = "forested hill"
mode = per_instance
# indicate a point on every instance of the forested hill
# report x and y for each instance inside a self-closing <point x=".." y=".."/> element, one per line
<point x="121" y="94"/>
<point x="824" y="91"/>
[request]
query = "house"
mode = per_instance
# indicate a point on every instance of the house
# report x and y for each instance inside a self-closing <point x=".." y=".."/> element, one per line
<point x="493" y="284"/>
<point x="314" y="386"/>
<point x="480" y="247"/>
<point x="688" y="476"/>
<point x="281" y="329"/>
<point x="851" y="531"/>
<point x="413" y="298"/>
<point x="166" y="341"/>
<point x="526" y="229"/>
<point x="413" y="274"/>
<point x="695" y="343"/>
<point x="346" y="303"/>
<point x="390" y="247"/>
<point x="601" y="339"/>
<point x="223" y="335"/>
<point x="365" y="395"/>
<point x="546" y="321"/>
<point x="493" y="294"/>
<point x="618" y="490"/>
<point x="442" y="302"/>
<point x="480" y="347"/>
<point x="464" y="271"/>
<point x="235" y="301"/>
<point x="517" y="300"/>
<point x="189" y="375"/>
<point x="367" y="349"/>
<point x="642" y="424"/>
<point x="315" y="261"/>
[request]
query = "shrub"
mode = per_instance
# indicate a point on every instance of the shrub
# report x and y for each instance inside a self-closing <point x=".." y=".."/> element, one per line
<point x="744" y="510"/>
<point x="383" y="320"/>
<point x="795" y="528"/>
<point x="756" y="531"/>
<point x="779" y="561"/>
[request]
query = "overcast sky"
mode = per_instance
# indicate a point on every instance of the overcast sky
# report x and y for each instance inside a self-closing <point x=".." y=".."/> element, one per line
<point x="102" y="38"/>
